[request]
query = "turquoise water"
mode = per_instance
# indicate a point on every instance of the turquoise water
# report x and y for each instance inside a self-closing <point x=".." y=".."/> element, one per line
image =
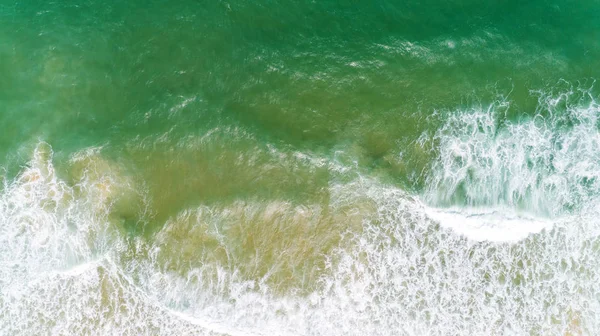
<point x="300" y="168"/>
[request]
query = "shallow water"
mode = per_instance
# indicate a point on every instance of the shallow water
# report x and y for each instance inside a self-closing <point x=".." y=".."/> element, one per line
<point x="299" y="168"/>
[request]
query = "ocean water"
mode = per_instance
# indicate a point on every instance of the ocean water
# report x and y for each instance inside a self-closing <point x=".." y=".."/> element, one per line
<point x="300" y="167"/>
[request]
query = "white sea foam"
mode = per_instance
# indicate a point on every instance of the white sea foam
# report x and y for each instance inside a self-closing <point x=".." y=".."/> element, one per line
<point x="56" y="250"/>
<point x="404" y="274"/>
<point x="523" y="174"/>
<point x="499" y="224"/>
<point x="520" y="261"/>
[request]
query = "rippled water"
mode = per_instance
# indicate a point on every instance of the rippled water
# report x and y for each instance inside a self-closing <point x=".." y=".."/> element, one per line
<point x="299" y="168"/>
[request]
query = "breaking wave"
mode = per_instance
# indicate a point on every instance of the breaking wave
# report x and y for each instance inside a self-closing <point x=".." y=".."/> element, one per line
<point x="503" y="240"/>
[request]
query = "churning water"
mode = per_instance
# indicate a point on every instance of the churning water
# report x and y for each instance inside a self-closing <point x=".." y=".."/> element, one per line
<point x="299" y="168"/>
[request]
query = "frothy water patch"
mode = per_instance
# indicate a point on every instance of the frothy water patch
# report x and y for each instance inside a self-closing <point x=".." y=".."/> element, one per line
<point x="516" y="176"/>
<point x="283" y="247"/>
<point x="404" y="274"/>
<point x="43" y="217"/>
<point x="496" y="225"/>
<point x="56" y="241"/>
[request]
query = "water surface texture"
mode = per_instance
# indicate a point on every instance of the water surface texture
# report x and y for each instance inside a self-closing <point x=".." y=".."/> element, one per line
<point x="280" y="167"/>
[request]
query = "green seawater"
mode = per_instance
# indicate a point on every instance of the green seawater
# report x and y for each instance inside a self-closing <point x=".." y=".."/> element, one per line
<point x="300" y="167"/>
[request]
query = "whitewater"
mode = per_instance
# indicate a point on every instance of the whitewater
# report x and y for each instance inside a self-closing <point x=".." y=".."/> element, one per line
<point x="503" y="240"/>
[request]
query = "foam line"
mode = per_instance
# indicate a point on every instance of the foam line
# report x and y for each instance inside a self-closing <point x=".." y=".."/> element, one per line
<point x="488" y="224"/>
